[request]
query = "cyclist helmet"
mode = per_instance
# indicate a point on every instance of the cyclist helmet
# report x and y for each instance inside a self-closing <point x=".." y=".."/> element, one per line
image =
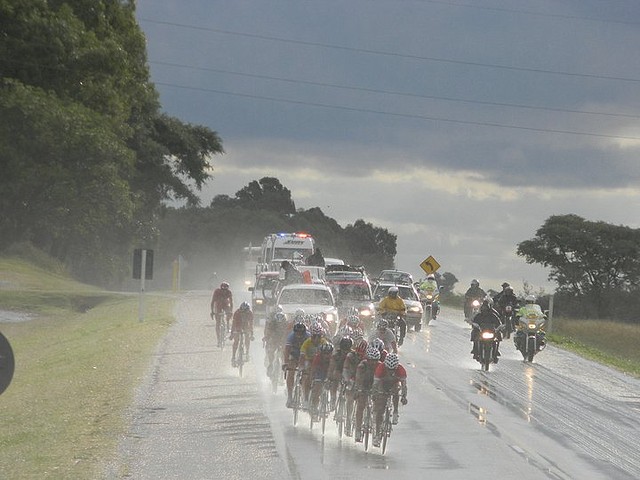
<point x="326" y="347"/>
<point x="475" y="283"/>
<point x="280" y="317"/>
<point x="345" y="344"/>
<point x="300" y="328"/>
<point x="245" y="307"/>
<point x="356" y="335"/>
<point x="382" y="325"/>
<point x="393" y="291"/>
<point x="530" y="299"/>
<point x="316" y="329"/>
<point x="299" y="313"/>
<point x="431" y="276"/>
<point x="373" y="353"/>
<point x="391" y="362"/>
<point x="224" y="285"/>
<point x="353" y="320"/>
<point x="361" y="347"/>
<point x="378" y="343"/>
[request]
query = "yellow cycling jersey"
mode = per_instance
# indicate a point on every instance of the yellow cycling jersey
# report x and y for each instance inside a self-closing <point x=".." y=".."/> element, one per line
<point x="309" y="347"/>
<point x="392" y="304"/>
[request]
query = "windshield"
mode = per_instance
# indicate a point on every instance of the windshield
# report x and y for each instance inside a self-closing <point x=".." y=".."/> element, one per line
<point x="266" y="282"/>
<point x="294" y="254"/>
<point x="306" y="297"/>
<point x="352" y="292"/>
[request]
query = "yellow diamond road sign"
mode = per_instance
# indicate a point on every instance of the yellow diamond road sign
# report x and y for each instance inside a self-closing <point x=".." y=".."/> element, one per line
<point x="430" y="265"/>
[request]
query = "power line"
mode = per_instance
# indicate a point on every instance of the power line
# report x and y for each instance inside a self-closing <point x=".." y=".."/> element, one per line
<point x="393" y="54"/>
<point x="403" y="115"/>
<point x="393" y="92"/>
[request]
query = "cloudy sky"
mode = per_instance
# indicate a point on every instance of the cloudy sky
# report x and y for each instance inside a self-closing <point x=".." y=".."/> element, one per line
<point x="460" y="126"/>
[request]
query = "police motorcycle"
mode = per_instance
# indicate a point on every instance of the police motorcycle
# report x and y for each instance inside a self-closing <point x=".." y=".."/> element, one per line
<point x="529" y="338"/>
<point x="487" y="341"/>
<point x="430" y="304"/>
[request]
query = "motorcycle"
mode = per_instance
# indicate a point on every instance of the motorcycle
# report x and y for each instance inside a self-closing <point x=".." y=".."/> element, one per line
<point x="487" y="345"/>
<point x="530" y="338"/>
<point x="508" y="319"/>
<point x="430" y="305"/>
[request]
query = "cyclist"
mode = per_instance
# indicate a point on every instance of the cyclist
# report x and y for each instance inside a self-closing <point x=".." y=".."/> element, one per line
<point x="275" y="336"/>
<point x="307" y="351"/>
<point x="389" y="378"/>
<point x="379" y="344"/>
<point x="298" y="317"/>
<point x="336" y="366"/>
<point x="393" y="305"/>
<point x="353" y="358"/>
<point x="384" y="333"/>
<point x="363" y="384"/>
<point x="221" y="302"/>
<point x="318" y="372"/>
<point x="242" y="322"/>
<point x="291" y="355"/>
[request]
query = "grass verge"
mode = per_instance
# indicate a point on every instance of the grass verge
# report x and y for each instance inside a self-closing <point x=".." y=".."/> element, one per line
<point x="611" y="343"/>
<point x="77" y="366"/>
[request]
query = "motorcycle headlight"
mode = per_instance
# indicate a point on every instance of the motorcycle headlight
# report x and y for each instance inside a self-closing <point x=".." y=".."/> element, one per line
<point x="365" y="312"/>
<point x="475" y="303"/>
<point x="487" y="335"/>
<point x="259" y="301"/>
<point x="532" y="326"/>
<point x="429" y="297"/>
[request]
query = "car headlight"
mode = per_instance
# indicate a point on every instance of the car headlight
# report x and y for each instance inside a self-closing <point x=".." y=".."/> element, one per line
<point x="331" y="317"/>
<point x="365" y="312"/>
<point x="259" y="301"/>
<point x="415" y="309"/>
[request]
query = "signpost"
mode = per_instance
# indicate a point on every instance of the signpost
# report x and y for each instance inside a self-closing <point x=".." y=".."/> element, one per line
<point x="429" y="265"/>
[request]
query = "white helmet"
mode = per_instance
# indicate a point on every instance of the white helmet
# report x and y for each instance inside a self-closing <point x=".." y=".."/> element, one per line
<point x="373" y="353"/>
<point x="431" y="276"/>
<point x="392" y="361"/>
<point x="530" y="299"/>
<point x="393" y="290"/>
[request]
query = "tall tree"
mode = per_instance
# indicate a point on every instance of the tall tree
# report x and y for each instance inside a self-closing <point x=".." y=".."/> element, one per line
<point x="372" y="246"/>
<point x="588" y="259"/>
<point x="267" y="193"/>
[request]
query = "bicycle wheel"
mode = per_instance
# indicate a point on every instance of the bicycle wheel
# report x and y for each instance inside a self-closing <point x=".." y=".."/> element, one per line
<point x="324" y="408"/>
<point x="296" y="403"/>
<point x="386" y="428"/>
<point x="340" y="413"/>
<point x="240" y="354"/>
<point x="219" y="331"/>
<point x="275" y="372"/>
<point x="366" y="426"/>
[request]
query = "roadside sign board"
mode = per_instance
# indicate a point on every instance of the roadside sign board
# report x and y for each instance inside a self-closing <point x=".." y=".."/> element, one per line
<point x="430" y="265"/>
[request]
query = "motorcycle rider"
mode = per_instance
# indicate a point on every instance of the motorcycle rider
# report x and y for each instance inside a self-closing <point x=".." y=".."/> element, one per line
<point x="474" y="292"/>
<point x="530" y="310"/>
<point x="389" y="378"/>
<point x="315" y="259"/>
<point x="242" y="322"/>
<point x="291" y="355"/>
<point x="506" y="298"/>
<point x="363" y="383"/>
<point x="393" y="304"/>
<point x="499" y="295"/>
<point x="221" y="301"/>
<point x="430" y="287"/>
<point x="486" y="318"/>
<point x="275" y="336"/>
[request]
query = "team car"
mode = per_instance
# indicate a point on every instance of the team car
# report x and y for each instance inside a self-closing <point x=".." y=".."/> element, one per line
<point x="411" y="300"/>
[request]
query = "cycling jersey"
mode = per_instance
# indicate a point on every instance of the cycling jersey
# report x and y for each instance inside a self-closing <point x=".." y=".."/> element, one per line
<point x="389" y="380"/>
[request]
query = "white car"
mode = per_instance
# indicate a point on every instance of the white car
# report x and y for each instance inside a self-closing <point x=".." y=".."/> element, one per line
<point x="313" y="298"/>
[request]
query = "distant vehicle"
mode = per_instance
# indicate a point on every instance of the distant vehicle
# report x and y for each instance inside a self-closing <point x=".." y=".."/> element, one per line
<point x="263" y="292"/>
<point x="411" y="299"/>
<point x="313" y="298"/>
<point x="351" y="288"/>
<point x="333" y="261"/>
<point x="394" y="276"/>
<point x="276" y="247"/>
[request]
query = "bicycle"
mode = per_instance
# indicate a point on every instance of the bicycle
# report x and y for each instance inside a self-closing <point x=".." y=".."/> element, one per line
<point x="323" y="407"/>
<point x="387" y="424"/>
<point x="276" y="366"/>
<point x="240" y="352"/>
<point x="222" y="326"/>
<point x="341" y="409"/>
<point x="296" y="395"/>
<point x="367" y="421"/>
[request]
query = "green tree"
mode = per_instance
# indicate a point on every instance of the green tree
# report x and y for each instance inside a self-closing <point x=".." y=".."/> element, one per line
<point x="589" y="260"/>
<point x="371" y="246"/>
<point x="268" y="194"/>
